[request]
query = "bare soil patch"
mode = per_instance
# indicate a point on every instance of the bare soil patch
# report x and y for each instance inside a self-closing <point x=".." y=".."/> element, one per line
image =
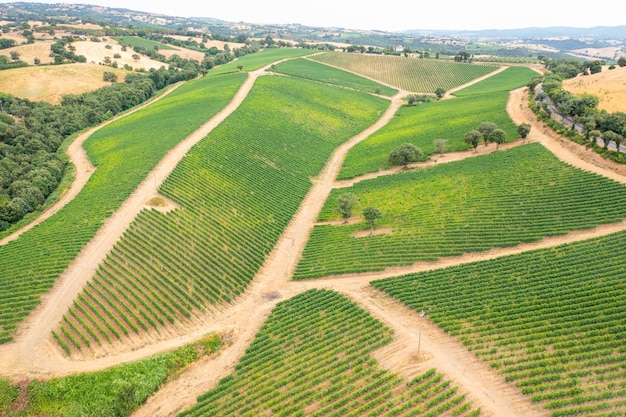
<point x="609" y="86"/>
<point x="162" y="204"/>
<point x="375" y="232"/>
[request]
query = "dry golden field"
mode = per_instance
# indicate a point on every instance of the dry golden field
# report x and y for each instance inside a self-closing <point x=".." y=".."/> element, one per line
<point x="608" y="85"/>
<point x="50" y="83"/>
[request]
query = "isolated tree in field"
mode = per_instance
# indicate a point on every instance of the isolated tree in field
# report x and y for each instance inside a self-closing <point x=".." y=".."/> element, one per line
<point x="405" y="153"/>
<point x="345" y="204"/>
<point x="440" y="92"/>
<point x="109" y="76"/>
<point x="498" y="136"/>
<point x="524" y="130"/>
<point x="485" y="129"/>
<point x="441" y="145"/>
<point x="371" y="214"/>
<point x="473" y="137"/>
<point x="621" y="61"/>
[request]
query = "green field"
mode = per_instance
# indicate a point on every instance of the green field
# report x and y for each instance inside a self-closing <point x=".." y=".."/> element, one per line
<point x="422" y="124"/>
<point x="114" y="392"/>
<point x="410" y="74"/>
<point x="318" y="72"/>
<point x="312" y="357"/>
<point x="238" y="189"/>
<point x="259" y="59"/>
<point x="509" y="79"/>
<point x="147" y="44"/>
<point x="123" y="152"/>
<point x="495" y="200"/>
<point x="552" y="321"/>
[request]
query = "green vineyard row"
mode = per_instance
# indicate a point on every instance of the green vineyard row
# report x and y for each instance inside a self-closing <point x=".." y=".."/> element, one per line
<point x="312" y="357"/>
<point x="495" y="200"/>
<point x="238" y="189"/>
<point x="551" y="321"/>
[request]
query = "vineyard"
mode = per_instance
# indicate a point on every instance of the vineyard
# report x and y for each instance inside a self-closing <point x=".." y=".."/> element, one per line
<point x="495" y="200"/>
<point x="123" y="152"/>
<point x="552" y="322"/>
<point x="312" y="357"/>
<point x="238" y="189"/>
<point x="447" y="119"/>
<point x="319" y="72"/>
<point x="548" y="325"/>
<point x="415" y="75"/>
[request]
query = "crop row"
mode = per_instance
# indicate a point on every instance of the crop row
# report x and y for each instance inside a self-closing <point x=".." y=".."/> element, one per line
<point x="416" y="75"/>
<point x="551" y="321"/>
<point x="124" y="152"/>
<point x="238" y="189"/>
<point x="312" y="357"/>
<point x="496" y="200"/>
<point x="323" y="73"/>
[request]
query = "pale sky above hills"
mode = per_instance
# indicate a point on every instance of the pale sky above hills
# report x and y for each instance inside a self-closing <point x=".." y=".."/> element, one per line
<point x="391" y="15"/>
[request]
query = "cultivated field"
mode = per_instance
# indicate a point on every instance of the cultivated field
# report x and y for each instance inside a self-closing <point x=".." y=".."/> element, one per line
<point x="609" y="86"/>
<point x="223" y="233"/>
<point x="410" y="74"/>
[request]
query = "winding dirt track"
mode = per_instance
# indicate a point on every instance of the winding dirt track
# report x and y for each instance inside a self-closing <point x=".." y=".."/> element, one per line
<point x="34" y="355"/>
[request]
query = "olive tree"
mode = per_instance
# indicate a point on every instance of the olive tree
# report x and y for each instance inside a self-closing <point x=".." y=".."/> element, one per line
<point x="405" y="153"/>
<point x="345" y="204"/>
<point x="498" y="136"/>
<point x="524" y="130"/>
<point x="473" y="137"/>
<point x="485" y="129"/>
<point x="371" y="214"/>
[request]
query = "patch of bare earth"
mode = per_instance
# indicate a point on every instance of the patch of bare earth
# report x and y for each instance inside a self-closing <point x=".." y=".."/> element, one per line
<point x="162" y="204"/>
<point x="375" y="232"/>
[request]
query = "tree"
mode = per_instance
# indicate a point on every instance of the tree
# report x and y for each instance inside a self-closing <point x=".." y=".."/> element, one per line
<point x="440" y="145"/>
<point x="371" y="214"/>
<point x="109" y="76"/>
<point x="440" y="92"/>
<point x="485" y="129"/>
<point x="405" y="153"/>
<point x="345" y="204"/>
<point x="611" y="136"/>
<point x="524" y="130"/>
<point x="621" y="61"/>
<point x="473" y="137"/>
<point x="498" y="136"/>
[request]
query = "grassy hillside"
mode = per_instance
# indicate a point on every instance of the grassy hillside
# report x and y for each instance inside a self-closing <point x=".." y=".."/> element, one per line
<point x="495" y="200"/>
<point x="50" y="83"/>
<point x="114" y="392"/>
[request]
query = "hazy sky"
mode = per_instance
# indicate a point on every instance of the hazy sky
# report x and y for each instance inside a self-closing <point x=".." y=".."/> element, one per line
<point x="392" y="15"/>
